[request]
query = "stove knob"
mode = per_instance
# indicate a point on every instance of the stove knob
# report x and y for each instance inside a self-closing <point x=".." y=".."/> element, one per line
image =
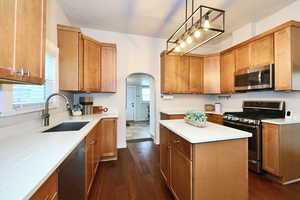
<point x="245" y="120"/>
<point x="251" y="121"/>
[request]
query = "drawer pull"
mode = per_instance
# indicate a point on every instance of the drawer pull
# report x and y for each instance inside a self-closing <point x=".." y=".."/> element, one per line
<point x="47" y="197"/>
<point x="93" y="142"/>
<point x="176" y="141"/>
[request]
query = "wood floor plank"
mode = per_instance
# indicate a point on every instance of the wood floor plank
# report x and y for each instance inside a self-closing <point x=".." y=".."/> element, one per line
<point x="136" y="176"/>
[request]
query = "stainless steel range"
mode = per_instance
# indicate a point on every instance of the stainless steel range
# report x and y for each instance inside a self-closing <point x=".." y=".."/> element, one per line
<point x="250" y="120"/>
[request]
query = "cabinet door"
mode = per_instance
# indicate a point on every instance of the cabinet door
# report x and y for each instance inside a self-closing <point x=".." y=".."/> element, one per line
<point x="270" y="151"/>
<point x="242" y="58"/>
<point x="90" y="162"/>
<point x="108" y="68"/>
<point x="227" y="72"/>
<point x="98" y="146"/>
<point x="7" y="32"/>
<point x="211" y="75"/>
<point x="196" y="75"/>
<point x="30" y="39"/>
<point x="262" y="51"/>
<point x="91" y="66"/>
<point x="48" y="190"/>
<point x="183" y="76"/>
<point x="165" y="154"/>
<point x="109" y="139"/>
<point x="181" y="175"/>
<point x="283" y="59"/>
<point x="69" y="42"/>
<point x="169" y="65"/>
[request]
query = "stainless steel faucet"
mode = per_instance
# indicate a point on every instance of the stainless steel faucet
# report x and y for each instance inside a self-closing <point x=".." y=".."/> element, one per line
<point x="46" y="115"/>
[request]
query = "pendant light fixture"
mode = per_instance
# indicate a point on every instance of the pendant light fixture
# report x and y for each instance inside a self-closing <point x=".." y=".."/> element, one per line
<point x="204" y="24"/>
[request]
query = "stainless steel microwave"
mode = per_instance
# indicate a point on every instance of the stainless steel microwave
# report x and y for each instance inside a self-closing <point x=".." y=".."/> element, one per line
<point x="255" y="79"/>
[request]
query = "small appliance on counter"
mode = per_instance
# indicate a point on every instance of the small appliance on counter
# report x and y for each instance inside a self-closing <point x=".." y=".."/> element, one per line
<point x="87" y="104"/>
<point x="218" y="107"/>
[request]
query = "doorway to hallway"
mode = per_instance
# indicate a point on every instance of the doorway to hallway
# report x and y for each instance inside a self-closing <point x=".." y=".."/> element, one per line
<point x="140" y="102"/>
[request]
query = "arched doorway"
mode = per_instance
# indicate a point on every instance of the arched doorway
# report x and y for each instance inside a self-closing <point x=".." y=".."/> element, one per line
<point x="140" y="107"/>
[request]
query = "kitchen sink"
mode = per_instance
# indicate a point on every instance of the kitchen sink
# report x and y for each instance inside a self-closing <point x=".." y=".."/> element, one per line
<point x="67" y="126"/>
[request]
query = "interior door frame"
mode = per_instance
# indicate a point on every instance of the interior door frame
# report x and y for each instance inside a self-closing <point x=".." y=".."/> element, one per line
<point x="134" y="110"/>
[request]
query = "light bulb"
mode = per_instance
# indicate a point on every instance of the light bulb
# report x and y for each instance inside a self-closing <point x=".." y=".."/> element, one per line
<point x="182" y="44"/>
<point x="197" y="34"/>
<point x="177" y="48"/>
<point x="189" y="40"/>
<point x="206" y="24"/>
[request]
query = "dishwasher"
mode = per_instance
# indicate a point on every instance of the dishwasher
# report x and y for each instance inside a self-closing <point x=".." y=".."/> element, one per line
<point x="71" y="175"/>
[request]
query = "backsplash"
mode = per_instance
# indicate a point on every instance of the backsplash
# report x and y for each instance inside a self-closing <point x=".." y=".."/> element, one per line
<point x="292" y="100"/>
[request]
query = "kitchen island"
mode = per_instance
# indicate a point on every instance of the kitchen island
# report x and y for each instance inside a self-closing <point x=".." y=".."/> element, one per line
<point x="204" y="163"/>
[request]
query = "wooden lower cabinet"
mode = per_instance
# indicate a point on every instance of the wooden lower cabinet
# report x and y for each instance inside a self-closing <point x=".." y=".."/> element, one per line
<point x="49" y="190"/>
<point x="109" y="139"/>
<point x="164" y="116"/>
<point x="281" y="152"/>
<point x="215" y="118"/>
<point x="204" y="171"/>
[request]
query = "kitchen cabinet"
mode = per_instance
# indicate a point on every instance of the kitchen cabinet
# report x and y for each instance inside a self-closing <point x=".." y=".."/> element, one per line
<point x="262" y="51"/>
<point x="86" y="65"/>
<point x="91" y="65"/>
<point x="196" y="75"/>
<point x="242" y="58"/>
<point x="109" y="139"/>
<point x="169" y="66"/>
<point x="164" y="116"/>
<point x="183" y="75"/>
<point x="191" y="174"/>
<point x="227" y="72"/>
<point x="70" y="44"/>
<point x="165" y="154"/>
<point x="215" y="118"/>
<point x="22" y="36"/>
<point x="287" y="62"/>
<point x="108" y="67"/>
<point x="281" y="149"/>
<point x="49" y="190"/>
<point x="91" y="162"/>
<point x="211" y="71"/>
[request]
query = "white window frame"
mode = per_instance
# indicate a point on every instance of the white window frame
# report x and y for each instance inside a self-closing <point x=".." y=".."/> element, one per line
<point x="143" y="96"/>
<point x="7" y="109"/>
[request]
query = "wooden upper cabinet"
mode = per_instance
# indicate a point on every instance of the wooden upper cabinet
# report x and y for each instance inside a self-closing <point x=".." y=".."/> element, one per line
<point x="262" y="51"/>
<point x="70" y="44"/>
<point x="169" y="65"/>
<point x="183" y="75"/>
<point x="211" y="71"/>
<point x="243" y="56"/>
<point x="30" y="39"/>
<point x="227" y="72"/>
<point x="271" y="148"/>
<point x="108" y="68"/>
<point x="7" y="30"/>
<point x="91" y="65"/>
<point x="287" y="61"/>
<point x="196" y="75"/>
<point x="22" y="39"/>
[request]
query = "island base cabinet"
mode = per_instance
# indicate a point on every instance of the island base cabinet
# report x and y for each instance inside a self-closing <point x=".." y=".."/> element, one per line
<point x="212" y="170"/>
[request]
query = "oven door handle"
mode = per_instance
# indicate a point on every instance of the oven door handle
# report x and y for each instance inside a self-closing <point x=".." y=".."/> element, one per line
<point x="240" y="124"/>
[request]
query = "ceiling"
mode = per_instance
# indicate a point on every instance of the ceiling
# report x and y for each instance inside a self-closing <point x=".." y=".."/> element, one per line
<point x="160" y="18"/>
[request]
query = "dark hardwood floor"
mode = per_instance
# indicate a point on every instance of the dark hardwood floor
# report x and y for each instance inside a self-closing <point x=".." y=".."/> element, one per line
<point x="136" y="176"/>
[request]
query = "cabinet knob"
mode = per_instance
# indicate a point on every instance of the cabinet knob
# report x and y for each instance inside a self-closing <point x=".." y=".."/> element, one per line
<point x="46" y="197"/>
<point x="26" y="73"/>
<point x="176" y="141"/>
<point x="93" y="142"/>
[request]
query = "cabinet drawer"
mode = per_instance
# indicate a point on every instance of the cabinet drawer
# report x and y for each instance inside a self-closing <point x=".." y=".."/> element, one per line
<point x="181" y="145"/>
<point x="48" y="191"/>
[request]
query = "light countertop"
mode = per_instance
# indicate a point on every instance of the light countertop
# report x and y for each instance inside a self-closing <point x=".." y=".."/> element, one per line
<point x="28" y="159"/>
<point x="283" y="121"/>
<point x="212" y="133"/>
<point x="181" y="112"/>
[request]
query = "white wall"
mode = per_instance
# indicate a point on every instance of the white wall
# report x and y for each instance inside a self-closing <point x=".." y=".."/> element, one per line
<point x="292" y="99"/>
<point x="136" y="54"/>
<point x="55" y="16"/>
